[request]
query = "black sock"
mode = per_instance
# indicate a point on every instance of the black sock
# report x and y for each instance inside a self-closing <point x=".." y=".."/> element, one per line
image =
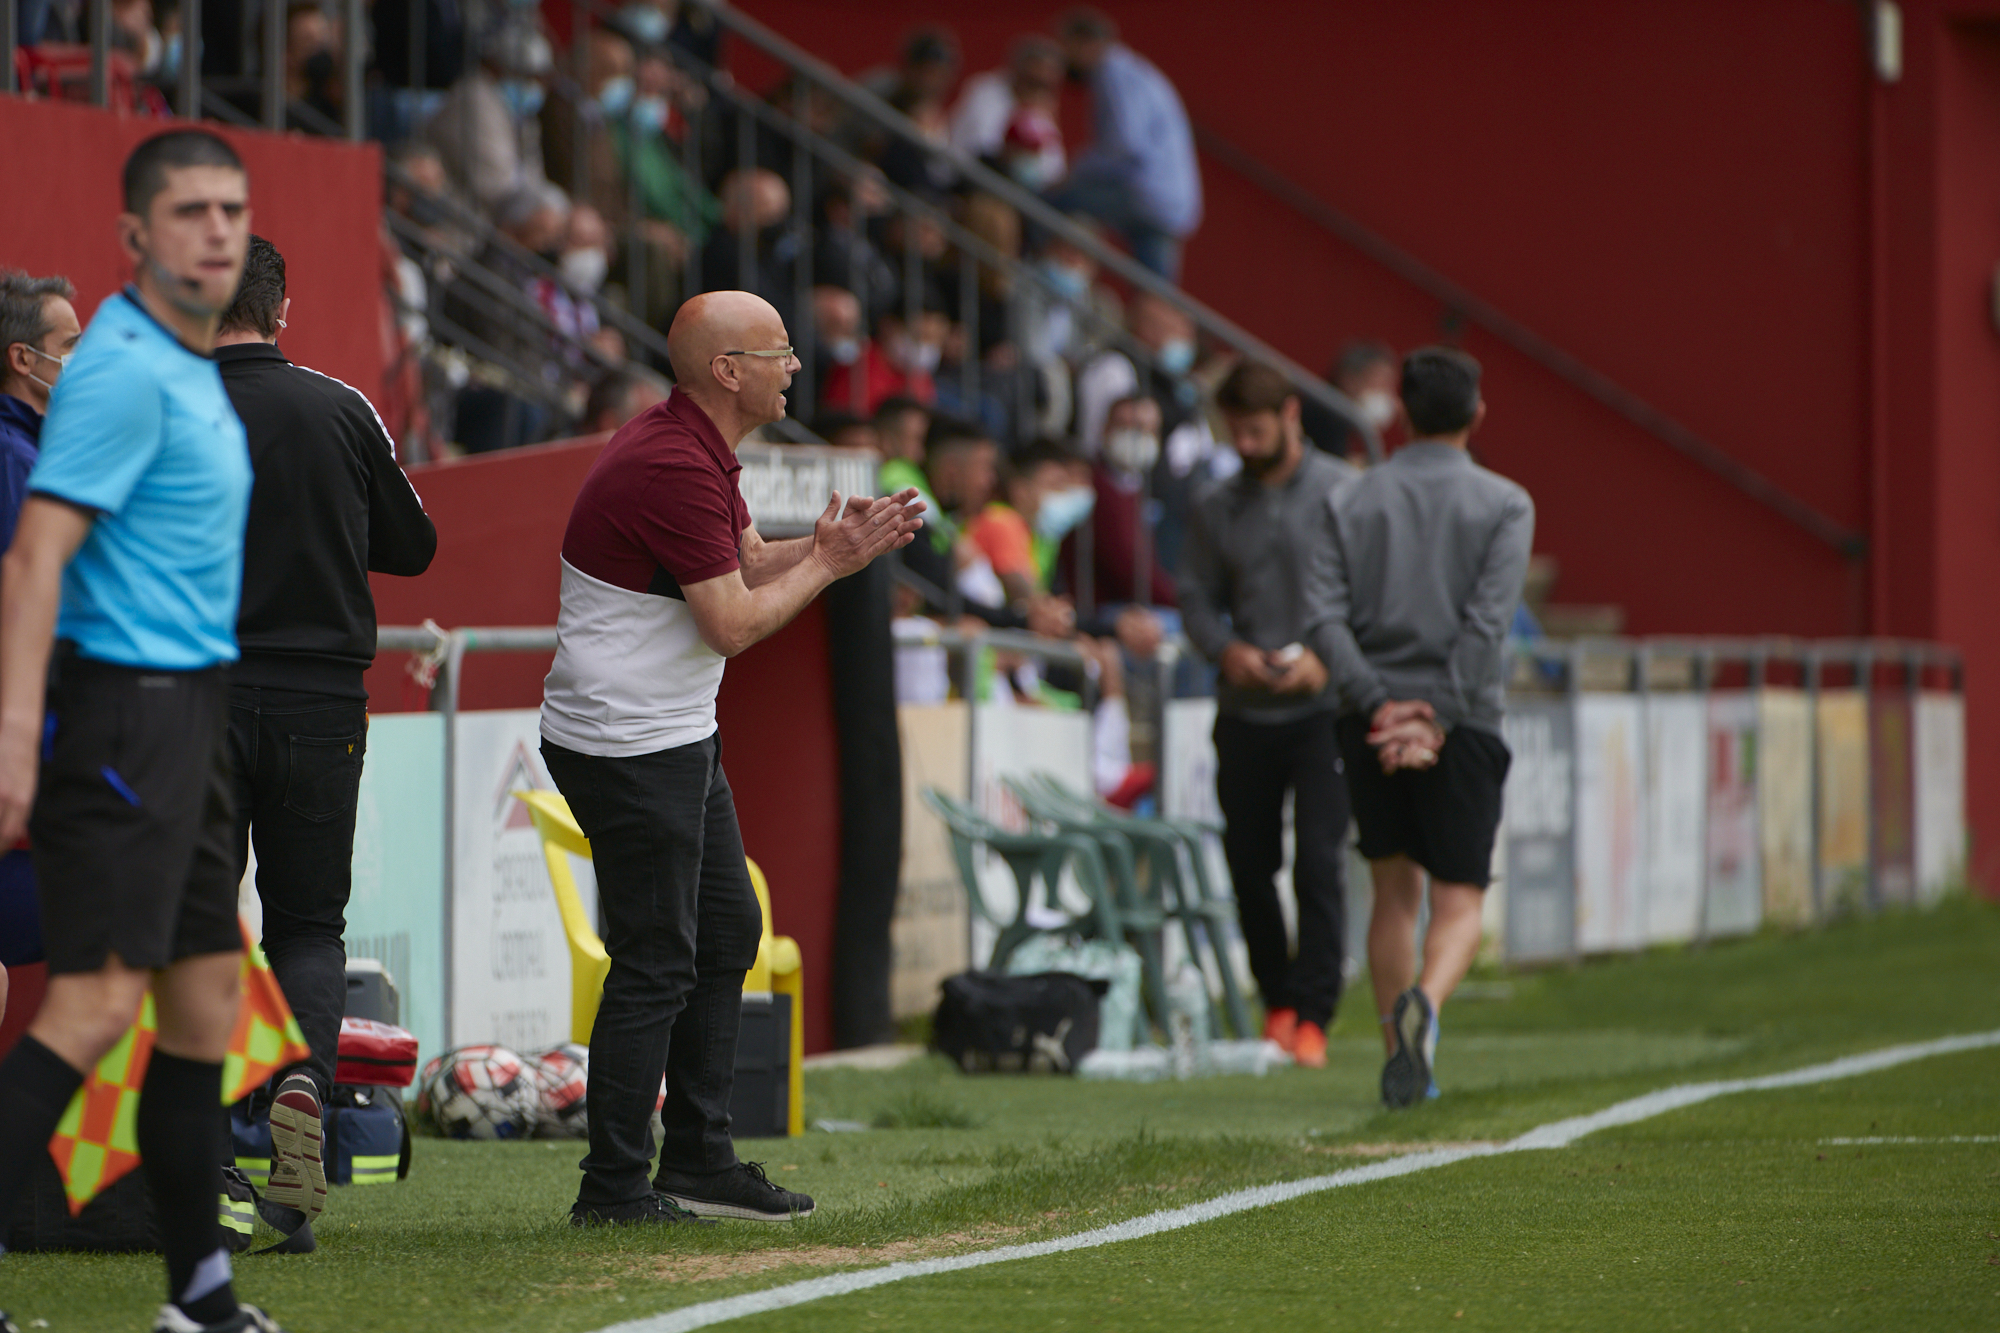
<point x="181" y="1149"/>
<point x="35" y="1087"/>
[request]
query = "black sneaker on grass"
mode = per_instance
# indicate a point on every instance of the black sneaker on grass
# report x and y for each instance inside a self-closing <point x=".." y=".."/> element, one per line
<point x="742" y="1192"/>
<point x="1407" y="1075"/>
<point x="7" y="1325"/>
<point x="654" y="1209"/>
<point x="247" y="1319"/>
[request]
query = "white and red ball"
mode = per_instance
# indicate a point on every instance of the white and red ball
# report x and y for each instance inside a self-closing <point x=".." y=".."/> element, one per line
<point x="480" y="1092"/>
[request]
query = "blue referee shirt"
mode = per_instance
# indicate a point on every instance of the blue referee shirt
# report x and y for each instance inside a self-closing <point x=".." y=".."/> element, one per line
<point x="141" y="433"/>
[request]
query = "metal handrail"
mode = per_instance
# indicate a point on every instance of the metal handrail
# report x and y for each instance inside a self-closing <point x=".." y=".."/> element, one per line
<point x="800" y="62"/>
<point x="1532" y="345"/>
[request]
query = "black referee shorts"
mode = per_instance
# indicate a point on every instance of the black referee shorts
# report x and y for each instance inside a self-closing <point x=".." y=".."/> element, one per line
<point x="132" y="828"/>
<point x="1444" y="817"/>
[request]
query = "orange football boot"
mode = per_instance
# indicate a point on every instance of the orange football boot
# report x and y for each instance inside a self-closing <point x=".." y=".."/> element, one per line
<point x="1281" y="1026"/>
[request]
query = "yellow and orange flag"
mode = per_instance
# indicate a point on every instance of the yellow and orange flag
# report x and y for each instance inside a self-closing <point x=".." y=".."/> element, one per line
<point x="97" y="1140"/>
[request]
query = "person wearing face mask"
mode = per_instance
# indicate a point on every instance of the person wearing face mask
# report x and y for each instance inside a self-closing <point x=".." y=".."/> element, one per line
<point x="1121" y="527"/>
<point x="488" y="132"/>
<point x="760" y="202"/>
<point x="992" y="103"/>
<point x="1250" y="542"/>
<point x="897" y="363"/>
<point x="38" y="331"/>
<point x="1366" y="371"/>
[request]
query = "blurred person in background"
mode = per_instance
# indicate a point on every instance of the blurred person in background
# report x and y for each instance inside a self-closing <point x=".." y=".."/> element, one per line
<point x="1366" y="371"/>
<point x="842" y="345"/>
<point x="395" y="109"/>
<point x="900" y="362"/>
<point x="1139" y="176"/>
<point x="1243" y="602"/>
<point x="1409" y="600"/>
<point x="38" y="331"/>
<point x="488" y="132"/>
<point x="329" y="505"/>
<point x="843" y="254"/>
<point x="901" y="425"/>
<point x="844" y="430"/>
<point x="1000" y="107"/>
<point x="618" y="396"/>
<point x="760" y="202"/>
<point x="676" y="212"/>
<point x="313" y="89"/>
<point x="1121" y="522"/>
<point x="504" y="324"/>
<point x="924" y="77"/>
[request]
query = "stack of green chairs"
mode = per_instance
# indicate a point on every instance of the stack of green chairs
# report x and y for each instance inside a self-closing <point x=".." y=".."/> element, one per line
<point x="1030" y="856"/>
<point x="1165" y="893"/>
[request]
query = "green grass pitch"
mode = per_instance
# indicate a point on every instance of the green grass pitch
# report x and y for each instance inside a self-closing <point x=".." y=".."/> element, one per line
<point x="1733" y="1214"/>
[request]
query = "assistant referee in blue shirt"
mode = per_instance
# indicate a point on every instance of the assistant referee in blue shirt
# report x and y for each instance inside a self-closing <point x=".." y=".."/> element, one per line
<point x="134" y="525"/>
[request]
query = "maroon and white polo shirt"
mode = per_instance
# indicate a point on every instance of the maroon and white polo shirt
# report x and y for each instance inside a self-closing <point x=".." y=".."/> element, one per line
<point x="660" y="509"/>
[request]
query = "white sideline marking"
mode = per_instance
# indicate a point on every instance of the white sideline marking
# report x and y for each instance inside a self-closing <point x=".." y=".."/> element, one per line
<point x="1948" y="1138"/>
<point x="1557" y="1134"/>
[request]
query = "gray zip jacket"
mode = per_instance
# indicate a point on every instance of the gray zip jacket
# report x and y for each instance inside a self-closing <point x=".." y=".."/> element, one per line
<point x="1411" y="593"/>
<point x="1244" y="574"/>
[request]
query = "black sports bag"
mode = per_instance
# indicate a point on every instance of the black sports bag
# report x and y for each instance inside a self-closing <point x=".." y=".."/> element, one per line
<point x="989" y="1022"/>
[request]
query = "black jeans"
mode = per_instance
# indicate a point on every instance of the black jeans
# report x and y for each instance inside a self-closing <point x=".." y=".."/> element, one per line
<point x="296" y="771"/>
<point x="681" y="923"/>
<point x="1255" y="764"/>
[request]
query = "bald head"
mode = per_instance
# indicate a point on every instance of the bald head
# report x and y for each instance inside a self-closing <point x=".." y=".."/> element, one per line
<point x="735" y="390"/>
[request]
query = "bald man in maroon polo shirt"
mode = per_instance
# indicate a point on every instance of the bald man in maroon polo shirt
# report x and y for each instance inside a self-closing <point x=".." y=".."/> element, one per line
<point x="663" y="579"/>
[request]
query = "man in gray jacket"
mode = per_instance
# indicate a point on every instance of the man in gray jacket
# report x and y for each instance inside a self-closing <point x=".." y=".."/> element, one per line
<point x="1243" y="600"/>
<point x="1409" y="601"/>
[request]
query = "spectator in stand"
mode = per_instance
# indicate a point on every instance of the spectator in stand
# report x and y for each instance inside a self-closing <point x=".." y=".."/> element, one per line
<point x="1003" y="108"/>
<point x="844" y="430"/>
<point x="500" y="322"/>
<point x="1121" y="527"/>
<point x="676" y="212"/>
<point x="488" y="132"/>
<point x="1366" y="372"/>
<point x="928" y="70"/>
<point x="900" y="362"/>
<point x="838" y="336"/>
<point x="599" y="90"/>
<point x="1169" y="334"/>
<point x="761" y="202"/>
<point x="901" y="427"/>
<point x="313" y="91"/>
<point x="618" y="396"/>
<point x="1139" y="176"/>
<point x="843" y="254"/>
<point x="395" y="110"/>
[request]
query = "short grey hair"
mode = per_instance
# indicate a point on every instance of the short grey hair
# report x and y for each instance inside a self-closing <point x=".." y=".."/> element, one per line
<point x="24" y="309"/>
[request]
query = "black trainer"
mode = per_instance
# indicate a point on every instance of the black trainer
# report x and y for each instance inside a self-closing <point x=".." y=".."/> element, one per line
<point x="655" y="1208"/>
<point x="7" y="1325"/>
<point x="742" y="1191"/>
<point x="1406" y="1078"/>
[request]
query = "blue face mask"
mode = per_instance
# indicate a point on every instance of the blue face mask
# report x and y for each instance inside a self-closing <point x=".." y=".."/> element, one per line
<point x="615" y="95"/>
<point x="1177" y="357"/>
<point x="647" y="24"/>
<point x="522" y="96"/>
<point x="1061" y="512"/>
<point x="1071" y="282"/>
<point x="170" y="60"/>
<point x="649" y="114"/>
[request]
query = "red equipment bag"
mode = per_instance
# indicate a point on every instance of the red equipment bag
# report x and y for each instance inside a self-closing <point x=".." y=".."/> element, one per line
<point x="380" y="1054"/>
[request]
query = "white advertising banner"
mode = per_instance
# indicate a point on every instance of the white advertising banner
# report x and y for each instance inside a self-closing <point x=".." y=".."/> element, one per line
<point x="510" y="975"/>
<point x="929" y="934"/>
<point x="1611" y="822"/>
<point x="1940" y="775"/>
<point x="1845" y="800"/>
<point x="1676" y="737"/>
<point x="1011" y="740"/>
<point x="1540" y="911"/>
<point x="1734" y="871"/>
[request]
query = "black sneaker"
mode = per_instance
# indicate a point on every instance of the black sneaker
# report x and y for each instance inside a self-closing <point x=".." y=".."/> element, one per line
<point x="7" y="1325"/>
<point x="247" y="1319"/>
<point x="1406" y="1078"/>
<point x="742" y="1191"/>
<point x="654" y="1208"/>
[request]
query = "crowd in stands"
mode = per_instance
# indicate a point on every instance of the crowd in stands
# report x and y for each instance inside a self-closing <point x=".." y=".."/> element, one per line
<point x="553" y="195"/>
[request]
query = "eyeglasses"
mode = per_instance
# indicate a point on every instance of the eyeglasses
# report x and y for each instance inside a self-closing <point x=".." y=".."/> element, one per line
<point x="774" y="354"/>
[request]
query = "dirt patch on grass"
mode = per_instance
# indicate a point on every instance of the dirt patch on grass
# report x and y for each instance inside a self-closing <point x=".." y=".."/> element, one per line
<point x="714" y="1267"/>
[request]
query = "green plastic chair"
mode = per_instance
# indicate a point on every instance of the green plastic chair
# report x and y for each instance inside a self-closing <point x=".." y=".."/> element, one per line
<point x="1188" y="898"/>
<point x="1030" y="856"/>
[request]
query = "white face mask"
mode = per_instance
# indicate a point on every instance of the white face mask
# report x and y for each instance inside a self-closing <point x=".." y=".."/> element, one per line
<point x="844" y="351"/>
<point x="1131" y="449"/>
<point x="62" y="364"/>
<point x="584" y="270"/>
<point x="913" y="356"/>
<point x="1378" y="408"/>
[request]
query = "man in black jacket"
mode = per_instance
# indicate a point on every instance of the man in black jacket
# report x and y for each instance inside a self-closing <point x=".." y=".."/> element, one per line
<point x="329" y="505"/>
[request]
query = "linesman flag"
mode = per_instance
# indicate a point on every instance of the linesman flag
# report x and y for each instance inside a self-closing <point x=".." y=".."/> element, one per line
<point x="97" y="1140"/>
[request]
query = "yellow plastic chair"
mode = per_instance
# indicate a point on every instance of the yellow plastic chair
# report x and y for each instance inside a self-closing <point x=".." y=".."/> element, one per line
<point x="779" y="969"/>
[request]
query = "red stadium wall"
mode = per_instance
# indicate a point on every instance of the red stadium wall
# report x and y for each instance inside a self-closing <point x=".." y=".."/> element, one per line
<point x="317" y="200"/>
<point x="500" y="521"/>
<point x="1685" y="197"/>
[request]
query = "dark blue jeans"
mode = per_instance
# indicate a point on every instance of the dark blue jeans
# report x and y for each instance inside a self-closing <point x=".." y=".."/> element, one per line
<point x="681" y="923"/>
<point x="296" y="768"/>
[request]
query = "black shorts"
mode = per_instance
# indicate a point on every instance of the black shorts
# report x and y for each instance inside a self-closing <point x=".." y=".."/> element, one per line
<point x="132" y="828"/>
<point x="1444" y="817"/>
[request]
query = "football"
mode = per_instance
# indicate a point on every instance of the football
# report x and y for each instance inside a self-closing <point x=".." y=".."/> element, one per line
<point x="480" y="1092"/>
<point x="561" y="1076"/>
